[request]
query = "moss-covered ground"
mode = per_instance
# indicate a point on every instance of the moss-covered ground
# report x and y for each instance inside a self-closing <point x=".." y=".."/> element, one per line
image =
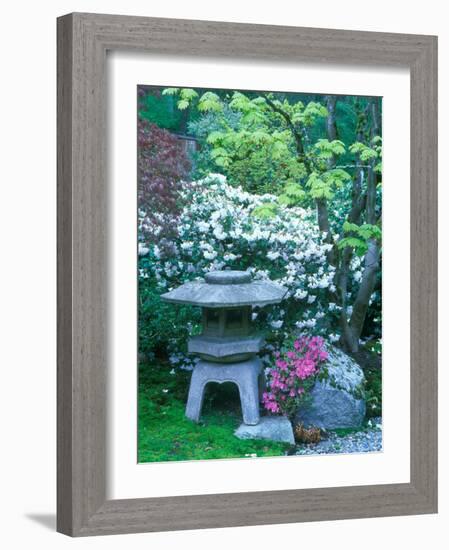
<point x="165" y="434"/>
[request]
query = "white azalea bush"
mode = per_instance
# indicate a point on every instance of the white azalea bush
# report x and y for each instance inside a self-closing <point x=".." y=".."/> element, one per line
<point x="221" y="227"/>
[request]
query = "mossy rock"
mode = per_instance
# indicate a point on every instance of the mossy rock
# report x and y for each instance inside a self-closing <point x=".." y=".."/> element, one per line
<point x="338" y="396"/>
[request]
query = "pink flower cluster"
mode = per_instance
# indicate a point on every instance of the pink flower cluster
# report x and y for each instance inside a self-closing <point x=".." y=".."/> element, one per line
<point x="293" y="374"/>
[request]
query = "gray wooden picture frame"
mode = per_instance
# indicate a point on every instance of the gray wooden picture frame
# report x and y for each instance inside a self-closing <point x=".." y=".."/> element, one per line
<point x="83" y="40"/>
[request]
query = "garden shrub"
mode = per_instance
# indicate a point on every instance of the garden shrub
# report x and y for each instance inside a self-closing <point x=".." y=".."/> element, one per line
<point x="293" y="375"/>
<point x="160" y="323"/>
<point x="220" y="227"/>
<point x="163" y="166"/>
<point x="202" y="161"/>
<point x="373" y="391"/>
<point x="254" y="167"/>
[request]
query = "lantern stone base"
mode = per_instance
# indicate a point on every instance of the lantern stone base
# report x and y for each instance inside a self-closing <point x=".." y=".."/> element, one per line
<point x="248" y="375"/>
<point x="274" y="428"/>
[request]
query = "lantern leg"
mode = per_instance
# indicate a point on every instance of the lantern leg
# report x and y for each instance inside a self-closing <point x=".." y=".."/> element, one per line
<point x="262" y="384"/>
<point x="247" y="375"/>
<point x="248" y="384"/>
<point x="196" y="395"/>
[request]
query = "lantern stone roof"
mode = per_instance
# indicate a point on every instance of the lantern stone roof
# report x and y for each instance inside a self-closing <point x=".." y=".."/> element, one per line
<point x="227" y="289"/>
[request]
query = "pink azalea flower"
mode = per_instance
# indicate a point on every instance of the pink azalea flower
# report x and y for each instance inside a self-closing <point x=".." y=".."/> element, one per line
<point x="291" y="369"/>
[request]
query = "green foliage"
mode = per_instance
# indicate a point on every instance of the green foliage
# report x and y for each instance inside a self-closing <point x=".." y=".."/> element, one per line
<point x="318" y="187"/>
<point x="220" y="156"/>
<point x="165" y="434"/>
<point x="365" y="231"/>
<point x="292" y="195"/>
<point x="364" y="152"/>
<point x="360" y="247"/>
<point x="161" y="323"/>
<point x="256" y="173"/>
<point x="210" y="102"/>
<point x="337" y="177"/>
<point x="359" y="236"/>
<point x="188" y="94"/>
<point x="328" y="149"/>
<point x="207" y="126"/>
<point x="277" y="143"/>
<point x="215" y="137"/>
<point x="260" y="152"/>
<point x="159" y="110"/>
<point x="375" y="346"/>
<point x="170" y="91"/>
<point x="183" y="104"/>
<point x="312" y="112"/>
<point x="262" y="148"/>
<point x="265" y="211"/>
<point x="373" y="391"/>
<point x="255" y="158"/>
<point x="241" y="102"/>
<point x="323" y="185"/>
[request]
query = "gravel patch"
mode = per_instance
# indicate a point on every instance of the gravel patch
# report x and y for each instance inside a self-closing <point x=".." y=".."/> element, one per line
<point x="366" y="440"/>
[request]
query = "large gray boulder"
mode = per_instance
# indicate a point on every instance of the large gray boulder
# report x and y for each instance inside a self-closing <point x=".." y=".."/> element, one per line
<point x="338" y="397"/>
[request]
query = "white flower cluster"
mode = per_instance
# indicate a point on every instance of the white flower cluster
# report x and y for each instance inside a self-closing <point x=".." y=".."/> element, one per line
<point x="222" y="226"/>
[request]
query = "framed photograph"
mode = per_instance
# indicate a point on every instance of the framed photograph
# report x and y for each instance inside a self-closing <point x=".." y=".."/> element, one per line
<point x="247" y="274"/>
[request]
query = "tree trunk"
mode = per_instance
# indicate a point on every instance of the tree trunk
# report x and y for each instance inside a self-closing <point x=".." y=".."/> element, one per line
<point x="321" y="204"/>
<point x="362" y="202"/>
<point x="331" y="121"/>
<point x="366" y="289"/>
<point x="363" y="205"/>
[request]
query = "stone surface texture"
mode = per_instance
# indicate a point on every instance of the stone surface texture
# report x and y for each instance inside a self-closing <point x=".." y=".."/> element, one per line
<point x="338" y="399"/>
<point x="222" y="347"/>
<point x="246" y="374"/>
<point x="275" y="428"/>
<point x="227" y="277"/>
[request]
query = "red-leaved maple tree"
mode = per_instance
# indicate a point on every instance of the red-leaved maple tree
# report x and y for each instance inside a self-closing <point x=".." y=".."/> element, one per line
<point x="163" y="166"/>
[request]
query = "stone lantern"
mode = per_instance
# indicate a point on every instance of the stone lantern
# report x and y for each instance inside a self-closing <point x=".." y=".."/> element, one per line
<point x="228" y="345"/>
